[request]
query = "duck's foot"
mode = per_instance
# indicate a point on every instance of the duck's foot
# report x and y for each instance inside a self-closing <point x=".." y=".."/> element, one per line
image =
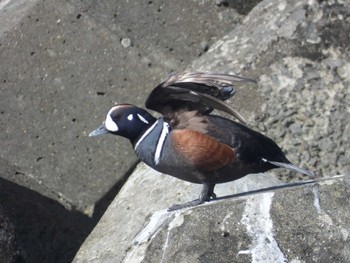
<point x="206" y="194"/>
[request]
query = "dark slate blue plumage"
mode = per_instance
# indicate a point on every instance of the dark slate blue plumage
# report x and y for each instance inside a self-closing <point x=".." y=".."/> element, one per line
<point x="146" y="145"/>
<point x="188" y="142"/>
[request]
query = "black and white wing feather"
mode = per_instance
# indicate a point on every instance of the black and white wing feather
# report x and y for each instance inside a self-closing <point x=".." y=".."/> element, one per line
<point x="201" y="91"/>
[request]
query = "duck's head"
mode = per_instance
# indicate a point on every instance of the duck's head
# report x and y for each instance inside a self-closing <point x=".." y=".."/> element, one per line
<point x="125" y="120"/>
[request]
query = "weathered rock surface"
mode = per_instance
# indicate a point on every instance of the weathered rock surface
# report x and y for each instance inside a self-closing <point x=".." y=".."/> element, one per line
<point x="299" y="52"/>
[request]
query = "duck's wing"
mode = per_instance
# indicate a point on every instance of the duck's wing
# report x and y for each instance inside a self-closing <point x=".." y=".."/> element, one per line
<point x="200" y="91"/>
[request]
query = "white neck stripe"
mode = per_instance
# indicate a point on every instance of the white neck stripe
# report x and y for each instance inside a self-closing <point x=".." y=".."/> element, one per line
<point x="161" y="141"/>
<point x="145" y="134"/>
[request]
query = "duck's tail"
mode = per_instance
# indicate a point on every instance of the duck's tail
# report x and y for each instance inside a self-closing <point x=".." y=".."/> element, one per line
<point x="290" y="166"/>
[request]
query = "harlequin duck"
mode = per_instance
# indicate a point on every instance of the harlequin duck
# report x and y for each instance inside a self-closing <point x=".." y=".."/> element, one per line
<point x="187" y="141"/>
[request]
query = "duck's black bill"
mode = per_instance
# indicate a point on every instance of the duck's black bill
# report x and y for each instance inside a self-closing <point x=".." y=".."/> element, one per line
<point x="99" y="131"/>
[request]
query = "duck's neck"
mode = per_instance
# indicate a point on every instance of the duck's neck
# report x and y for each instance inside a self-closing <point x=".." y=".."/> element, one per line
<point x="137" y="134"/>
<point x="150" y="144"/>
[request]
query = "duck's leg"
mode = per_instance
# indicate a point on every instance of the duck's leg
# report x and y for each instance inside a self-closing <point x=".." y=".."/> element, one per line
<point x="207" y="192"/>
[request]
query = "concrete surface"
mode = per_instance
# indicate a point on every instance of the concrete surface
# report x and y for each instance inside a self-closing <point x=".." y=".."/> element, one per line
<point x="284" y="45"/>
<point x="296" y="224"/>
<point x="64" y="63"/>
<point x="304" y="222"/>
<point x="39" y="229"/>
<point x="8" y="246"/>
<point x="146" y="194"/>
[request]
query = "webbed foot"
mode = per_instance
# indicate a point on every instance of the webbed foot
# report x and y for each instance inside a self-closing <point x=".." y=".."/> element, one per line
<point x="185" y="205"/>
<point x="205" y="195"/>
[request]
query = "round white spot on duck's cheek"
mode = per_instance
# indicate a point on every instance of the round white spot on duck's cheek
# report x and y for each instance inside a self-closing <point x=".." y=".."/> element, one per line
<point x="110" y="124"/>
<point x="130" y="117"/>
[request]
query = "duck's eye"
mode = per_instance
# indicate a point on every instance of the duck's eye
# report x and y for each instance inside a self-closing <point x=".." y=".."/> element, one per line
<point x="116" y="117"/>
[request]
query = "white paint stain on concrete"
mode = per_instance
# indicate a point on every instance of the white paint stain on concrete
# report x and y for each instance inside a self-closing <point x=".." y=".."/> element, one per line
<point x="344" y="233"/>
<point x="157" y="220"/>
<point x="316" y="200"/>
<point x="225" y="221"/>
<point x="259" y="225"/>
<point x="323" y="216"/>
<point x="4" y="3"/>
<point x="176" y="222"/>
<point x="140" y="243"/>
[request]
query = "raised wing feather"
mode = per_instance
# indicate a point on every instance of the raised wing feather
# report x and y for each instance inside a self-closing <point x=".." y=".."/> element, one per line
<point x="195" y="91"/>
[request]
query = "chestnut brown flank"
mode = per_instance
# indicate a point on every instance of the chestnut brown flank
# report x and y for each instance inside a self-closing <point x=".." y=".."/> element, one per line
<point x="202" y="151"/>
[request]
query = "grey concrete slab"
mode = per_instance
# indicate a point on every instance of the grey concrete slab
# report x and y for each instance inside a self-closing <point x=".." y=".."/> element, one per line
<point x="297" y="224"/>
<point x="265" y="221"/>
<point x="42" y="229"/>
<point x="12" y="12"/>
<point x="148" y="193"/>
<point x="300" y="101"/>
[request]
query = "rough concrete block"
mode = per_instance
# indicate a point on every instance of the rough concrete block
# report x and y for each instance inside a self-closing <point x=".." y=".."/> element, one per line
<point x="304" y="222"/>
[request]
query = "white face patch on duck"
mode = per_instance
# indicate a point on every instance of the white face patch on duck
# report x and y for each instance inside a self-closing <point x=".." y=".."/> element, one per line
<point x="110" y="124"/>
<point x="130" y="117"/>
